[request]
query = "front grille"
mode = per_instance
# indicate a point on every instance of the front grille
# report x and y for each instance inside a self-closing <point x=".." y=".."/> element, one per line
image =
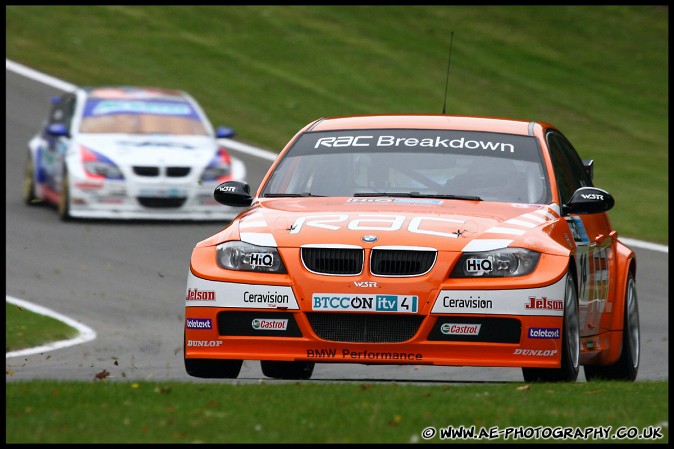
<point x="387" y="262"/>
<point x="146" y="171"/>
<point x="364" y="328"/>
<point x="335" y="261"/>
<point x="161" y="203"/>
<point x="172" y="172"/>
<point x="177" y="172"/>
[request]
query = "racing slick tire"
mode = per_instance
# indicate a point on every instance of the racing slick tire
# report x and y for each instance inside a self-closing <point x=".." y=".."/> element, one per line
<point x="568" y="370"/>
<point x="63" y="206"/>
<point x="213" y="368"/>
<point x="287" y="370"/>
<point x="28" y="188"/>
<point x="627" y="365"/>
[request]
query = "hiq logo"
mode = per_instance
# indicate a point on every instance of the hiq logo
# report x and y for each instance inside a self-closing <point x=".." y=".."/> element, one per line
<point x="199" y="323"/>
<point x="261" y="260"/>
<point x="478" y="265"/>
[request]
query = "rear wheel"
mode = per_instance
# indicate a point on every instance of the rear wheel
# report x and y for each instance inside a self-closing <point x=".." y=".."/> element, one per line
<point x="213" y="368"/>
<point x="627" y="366"/>
<point x="28" y="188"/>
<point x="568" y="371"/>
<point x="63" y="206"/>
<point x="287" y="370"/>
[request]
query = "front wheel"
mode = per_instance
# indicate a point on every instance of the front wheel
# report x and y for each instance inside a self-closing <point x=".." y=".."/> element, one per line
<point x="568" y="370"/>
<point x="63" y="206"/>
<point x="213" y="368"/>
<point x="287" y="370"/>
<point x="627" y="366"/>
<point x="28" y="188"/>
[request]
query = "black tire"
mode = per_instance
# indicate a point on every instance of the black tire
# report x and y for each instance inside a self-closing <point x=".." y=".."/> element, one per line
<point x="63" y="206"/>
<point x="568" y="370"/>
<point x="213" y="368"/>
<point x="287" y="370"/>
<point x="28" y="188"/>
<point x="627" y="365"/>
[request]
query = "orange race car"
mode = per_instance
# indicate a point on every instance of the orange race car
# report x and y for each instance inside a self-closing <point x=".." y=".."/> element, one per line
<point x="417" y="239"/>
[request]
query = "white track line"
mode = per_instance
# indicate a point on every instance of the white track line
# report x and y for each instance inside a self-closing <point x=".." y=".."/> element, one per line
<point x="85" y="333"/>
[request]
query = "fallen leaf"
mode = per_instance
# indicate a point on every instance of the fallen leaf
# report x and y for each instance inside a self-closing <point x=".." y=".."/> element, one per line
<point x="102" y="375"/>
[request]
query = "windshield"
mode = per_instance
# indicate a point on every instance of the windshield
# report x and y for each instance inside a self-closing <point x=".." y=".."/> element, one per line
<point x="413" y="163"/>
<point x="141" y="117"/>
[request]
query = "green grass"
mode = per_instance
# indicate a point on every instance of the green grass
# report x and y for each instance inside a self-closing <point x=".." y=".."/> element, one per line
<point x="25" y="329"/>
<point x="152" y="412"/>
<point x="600" y="73"/>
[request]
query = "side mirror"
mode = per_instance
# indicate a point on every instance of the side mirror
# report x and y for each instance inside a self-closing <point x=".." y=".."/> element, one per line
<point x="589" y="167"/>
<point x="589" y="200"/>
<point x="233" y="193"/>
<point x="57" y="130"/>
<point x="224" y="132"/>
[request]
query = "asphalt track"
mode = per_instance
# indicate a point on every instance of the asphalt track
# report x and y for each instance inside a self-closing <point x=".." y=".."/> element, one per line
<point x="123" y="284"/>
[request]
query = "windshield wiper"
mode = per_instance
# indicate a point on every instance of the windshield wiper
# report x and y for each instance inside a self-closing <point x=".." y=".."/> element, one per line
<point x="290" y="195"/>
<point x="420" y="195"/>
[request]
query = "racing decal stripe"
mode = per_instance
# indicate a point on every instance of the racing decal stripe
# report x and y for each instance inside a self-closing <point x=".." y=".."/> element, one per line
<point x="545" y="213"/>
<point x="259" y="239"/>
<point x="543" y="301"/>
<point x="253" y="216"/>
<point x="252" y="224"/>
<point x="533" y="217"/>
<point x="554" y="208"/>
<point x="517" y="222"/>
<point x="486" y="245"/>
<point x="498" y="230"/>
<point x="330" y="245"/>
<point x="206" y="293"/>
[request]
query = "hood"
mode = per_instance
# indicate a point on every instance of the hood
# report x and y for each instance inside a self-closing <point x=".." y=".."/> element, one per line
<point x="445" y="225"/>
<point x="134" y="149"/>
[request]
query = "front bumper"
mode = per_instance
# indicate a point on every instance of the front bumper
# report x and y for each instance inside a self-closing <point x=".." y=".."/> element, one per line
<point x="226" y="320"/>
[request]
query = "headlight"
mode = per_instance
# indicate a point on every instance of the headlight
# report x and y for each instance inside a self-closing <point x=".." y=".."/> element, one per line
<point x="104" y="169"/>
<point x="97" y="165"/>
<point x="219" y="168"/>
<point x="246" y="257"/>
<point x="497" y="263"/>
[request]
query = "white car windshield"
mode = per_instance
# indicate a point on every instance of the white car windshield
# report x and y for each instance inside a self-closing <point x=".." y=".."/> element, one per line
<point x="141" y="117"/>
<point x="413" y="163"/>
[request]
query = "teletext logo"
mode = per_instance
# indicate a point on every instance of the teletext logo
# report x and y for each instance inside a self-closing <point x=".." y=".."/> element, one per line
<point x="199" y="323"/>
<point x="544" y="332"/>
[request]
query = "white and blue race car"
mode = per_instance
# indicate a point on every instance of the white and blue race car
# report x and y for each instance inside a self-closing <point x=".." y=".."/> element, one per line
<point x="129" y="153"/>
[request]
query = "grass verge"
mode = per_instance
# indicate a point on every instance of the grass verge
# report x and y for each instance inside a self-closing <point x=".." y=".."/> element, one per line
<point x="151" y="412"/>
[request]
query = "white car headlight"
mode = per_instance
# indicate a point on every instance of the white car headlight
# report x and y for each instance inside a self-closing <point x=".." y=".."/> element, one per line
<point x="497" y="263"/>
<point x="243" y="256"/>
<point x="105" y="169"/>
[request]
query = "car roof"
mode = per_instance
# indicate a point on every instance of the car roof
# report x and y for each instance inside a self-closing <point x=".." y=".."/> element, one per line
<point x="134" y="93"/>
<point x="426" y="121"/>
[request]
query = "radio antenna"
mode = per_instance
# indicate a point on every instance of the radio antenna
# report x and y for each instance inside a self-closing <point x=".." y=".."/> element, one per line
<point x="449" y="59"/>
